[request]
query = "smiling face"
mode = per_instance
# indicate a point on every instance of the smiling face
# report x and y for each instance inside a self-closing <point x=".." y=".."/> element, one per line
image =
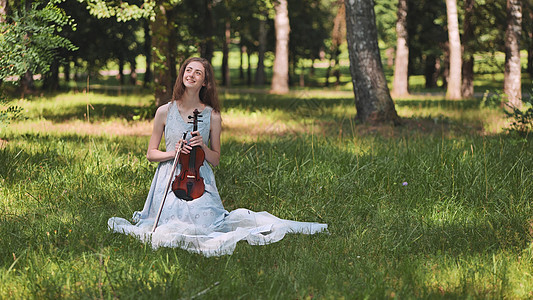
<point x="194" y="75"/>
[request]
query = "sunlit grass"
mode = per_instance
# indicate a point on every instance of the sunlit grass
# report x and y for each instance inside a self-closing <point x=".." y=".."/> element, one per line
<point x="437" y="208"/>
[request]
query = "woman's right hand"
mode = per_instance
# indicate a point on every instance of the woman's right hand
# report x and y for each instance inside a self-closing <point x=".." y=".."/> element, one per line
<point x="178" y="146"/>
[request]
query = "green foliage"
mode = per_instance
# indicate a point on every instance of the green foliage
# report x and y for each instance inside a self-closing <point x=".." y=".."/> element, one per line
<point x="491" y="99"/>
<point x="8" y="112"/>
<point x="30" y="41"/>
<point x="386" y="21"/>
<point x="522" y="118"/>
<point x="122" y="10"/>
<point x="308" y="18"/>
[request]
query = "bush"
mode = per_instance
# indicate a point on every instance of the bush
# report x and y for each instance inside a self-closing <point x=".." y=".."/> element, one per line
<point x="8" y="112"/>
<point x="522" y="118"/>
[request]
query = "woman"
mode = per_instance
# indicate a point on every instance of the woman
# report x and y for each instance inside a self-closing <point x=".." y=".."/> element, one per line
<point x="201" y="225"/>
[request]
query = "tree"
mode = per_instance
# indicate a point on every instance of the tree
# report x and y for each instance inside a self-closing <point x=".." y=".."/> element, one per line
<point x="527" y="27"/>
<point x="163" y="51"/>
<point x="454" y="80"/>
<point x="372" y="97"/>
<point x="262" y="47"/>
<point x="29" y="41"/>
<point x="467" y="86"/>
<point x="226" y="79"/>
<point x="427" y="39"/>
<point x="338" y="36"/>
<point x="3" y="10"/>
<point x="309" y="18"/>
<point x="512" y="76"/>
<point x="400" y="85"/>
<point x="280" y="76"/>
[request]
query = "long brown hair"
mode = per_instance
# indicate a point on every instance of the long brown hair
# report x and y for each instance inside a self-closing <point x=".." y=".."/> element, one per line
<point x="208" y="93"/>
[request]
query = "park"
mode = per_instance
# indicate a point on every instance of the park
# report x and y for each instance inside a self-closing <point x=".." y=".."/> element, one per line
<point x="426" y="188"/>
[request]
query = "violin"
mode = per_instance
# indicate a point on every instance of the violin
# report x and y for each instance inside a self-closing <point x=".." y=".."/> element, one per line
<point x="189" y="185"/>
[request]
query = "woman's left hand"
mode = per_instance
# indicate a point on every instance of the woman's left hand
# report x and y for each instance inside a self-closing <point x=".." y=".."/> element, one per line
<point x="194" y="141"/>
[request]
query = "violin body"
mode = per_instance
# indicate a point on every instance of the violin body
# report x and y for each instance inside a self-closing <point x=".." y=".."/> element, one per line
<point x="188" y="184"/>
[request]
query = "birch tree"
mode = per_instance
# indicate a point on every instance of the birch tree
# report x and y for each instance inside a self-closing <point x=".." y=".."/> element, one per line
<point x="512" y="76"/>
<point x="280" y="76"/>
<point x="454" y="80"/>
<point x="467" y="87"/>
<point x="400" y="85"/>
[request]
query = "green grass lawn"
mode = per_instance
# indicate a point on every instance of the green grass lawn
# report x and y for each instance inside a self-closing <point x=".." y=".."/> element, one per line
<point x="437" y="208"/>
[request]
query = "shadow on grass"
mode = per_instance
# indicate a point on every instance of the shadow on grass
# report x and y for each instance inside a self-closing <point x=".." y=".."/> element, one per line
<point x="98" y="112"/>
<point x="274" y="173"/>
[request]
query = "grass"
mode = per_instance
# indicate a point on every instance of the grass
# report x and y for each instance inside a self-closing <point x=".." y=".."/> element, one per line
<point x="437" y="208"/>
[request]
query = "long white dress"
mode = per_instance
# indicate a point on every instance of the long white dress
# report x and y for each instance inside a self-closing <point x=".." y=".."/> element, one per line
<point x="202" y="225"/>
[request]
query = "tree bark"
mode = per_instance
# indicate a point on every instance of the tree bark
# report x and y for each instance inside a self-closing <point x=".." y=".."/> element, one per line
<point x="512" y="83"/>
<point x="467" y="87"/>
<point x="372" y="97"/>
<point x="453" y="91"/>
<point x="280" y="70"/>
<point x="400" y="85"/>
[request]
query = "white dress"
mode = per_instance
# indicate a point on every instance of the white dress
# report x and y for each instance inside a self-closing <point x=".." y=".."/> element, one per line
<point x="202" y="225"/>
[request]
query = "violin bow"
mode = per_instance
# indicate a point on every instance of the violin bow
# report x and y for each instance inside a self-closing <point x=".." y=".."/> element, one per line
<point x="169" y="182"/>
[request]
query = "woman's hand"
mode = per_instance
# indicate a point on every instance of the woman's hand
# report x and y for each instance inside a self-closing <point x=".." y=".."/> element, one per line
<point x="194" y="141"/>
<point x="178" y="146"/>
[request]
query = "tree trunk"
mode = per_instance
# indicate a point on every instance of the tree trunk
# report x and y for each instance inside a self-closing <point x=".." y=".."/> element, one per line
<point x="148" y="52"/>
<point x="260" y="70"/>
<point x="225" y="55"/>
<point x="529" y="26"/>
<point x="3" y="10"/>
<point x="163" y="54"/>
<point x="133" y="72"/>
<point x="453" y="91"/>
<point x="121" y="71"/>
<point x="337" y="37"/>
<point x="207" y="48"/>
<point x="280" y="70"/>
<point x="530" y="55"/>
<point x="51" y="80"/>
<point x="66" y="71"/>
<point x="431" y="74"/>
<point x="467" y="87"/>
<point x="27" y="84"/>
<point x="3" y="13"/>
<point x="389" y="53"/>
<point x="372" y="97"/>
<point x="249" y="71"/>
<point x="241" y="66"/>
<point x="512" y="77"/>
<point x="400" y="85"/>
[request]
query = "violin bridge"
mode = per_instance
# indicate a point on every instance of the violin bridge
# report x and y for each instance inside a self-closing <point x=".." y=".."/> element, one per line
<point x="190" y="176"/>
